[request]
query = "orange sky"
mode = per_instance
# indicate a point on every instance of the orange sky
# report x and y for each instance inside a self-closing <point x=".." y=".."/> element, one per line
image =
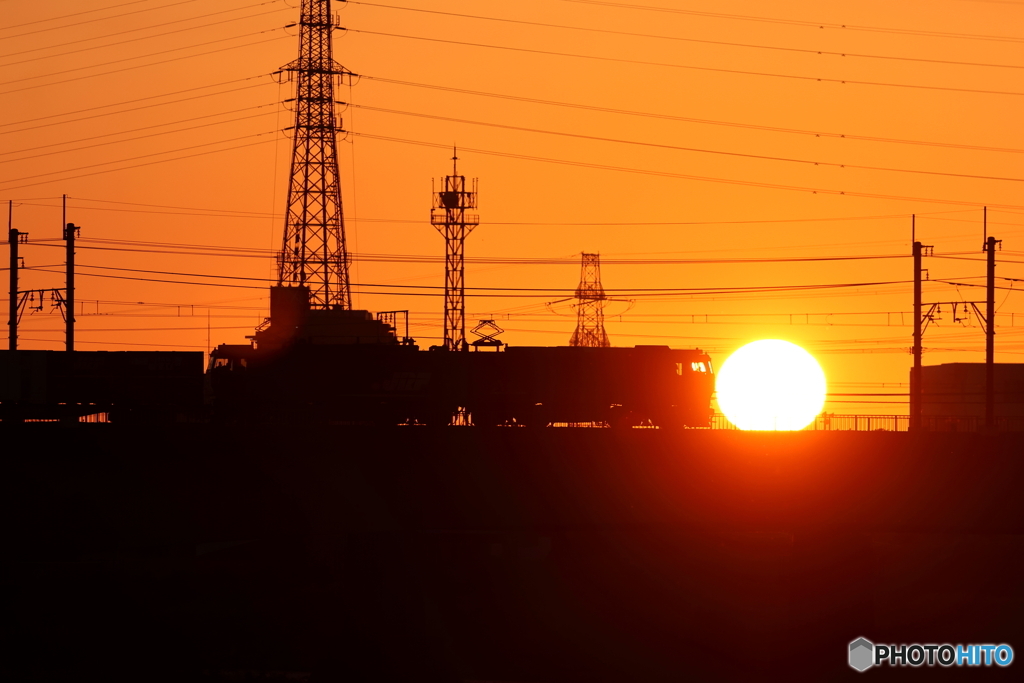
<point x="91" y="94"/>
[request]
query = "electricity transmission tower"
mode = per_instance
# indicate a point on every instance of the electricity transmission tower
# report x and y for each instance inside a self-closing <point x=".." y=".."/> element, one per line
<point x="314" y="253"/>
<point x="590" y="306"/>
<point x="448" y="215"/>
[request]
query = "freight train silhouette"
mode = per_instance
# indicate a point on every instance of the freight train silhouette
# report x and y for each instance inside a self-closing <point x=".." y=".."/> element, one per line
<point x="351" y="367"/>
<point x="348" y="366"/>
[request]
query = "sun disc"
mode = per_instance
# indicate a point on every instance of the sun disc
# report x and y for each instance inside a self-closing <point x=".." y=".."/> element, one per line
<point x="771" y="385"/>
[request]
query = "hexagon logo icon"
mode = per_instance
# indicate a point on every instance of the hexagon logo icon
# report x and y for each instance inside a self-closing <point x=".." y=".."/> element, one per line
<point x="862" y="654"/>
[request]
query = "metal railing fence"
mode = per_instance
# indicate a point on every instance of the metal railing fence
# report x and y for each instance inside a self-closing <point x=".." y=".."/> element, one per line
<point x="832" y="422"/>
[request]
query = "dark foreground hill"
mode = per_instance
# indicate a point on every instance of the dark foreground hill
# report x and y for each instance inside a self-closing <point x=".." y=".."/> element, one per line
<point x="466" y="554"/>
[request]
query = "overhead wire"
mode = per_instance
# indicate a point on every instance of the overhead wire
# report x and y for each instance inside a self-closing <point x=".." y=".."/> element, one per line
<point x="807" y="23"/>
<point x="151" y="163"/>
<point x="89" y="21"/>
<point x="141" y="28"/>
<point x="141" y="156"/>
<point x="73" y="14"/>
<point x="165" y="206"/>
<point x="238" y="213"/>
<point x="134" y="57"/>
<point x="671" y="65"/>
<point x="762" y="157"/>
<point x="118" y="343"/>
<point x="252" y="214"/>
<point x="554" y="291"/>
<point x="142" y="137"/>
<point x="683" y="39"/>
<point x="686" y="119"/>
<point x="189" y="249"/>
<point x="142" y="66"/>
<point x="547" y="293"/>
<point x="666" y="174"/>
<point x="141" y="99"/>
<point x="684" y="176"/>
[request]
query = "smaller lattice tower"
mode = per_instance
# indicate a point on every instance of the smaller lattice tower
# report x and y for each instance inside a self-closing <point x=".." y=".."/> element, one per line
<point x="590" y="305"/>
<point x="448" y="215"/>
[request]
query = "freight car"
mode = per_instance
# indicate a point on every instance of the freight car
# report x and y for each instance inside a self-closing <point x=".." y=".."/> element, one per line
<point x="123" y="386"/>
<point x="401" y="384"/>
<point x="348" y="367"/>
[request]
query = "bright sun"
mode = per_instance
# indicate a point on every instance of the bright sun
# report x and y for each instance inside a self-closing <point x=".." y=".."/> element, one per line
<point x="771" y="385"/>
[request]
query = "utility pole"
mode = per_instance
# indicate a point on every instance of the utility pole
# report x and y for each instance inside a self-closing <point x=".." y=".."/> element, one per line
<point x="990" y="327"/>
<point x="313" y="253"/>
<point x="921" y="320"/>
<point x="987" y="320"/>
<point x="70" y="233"/>
<point x="590" y="307"/>
<point x="915" y="377"/>
<point x="13" y="237"/>
<point x="448" y="215"/>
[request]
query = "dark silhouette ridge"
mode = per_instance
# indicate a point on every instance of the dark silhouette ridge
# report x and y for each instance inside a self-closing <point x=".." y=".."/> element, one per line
<point x="500" y="554"/>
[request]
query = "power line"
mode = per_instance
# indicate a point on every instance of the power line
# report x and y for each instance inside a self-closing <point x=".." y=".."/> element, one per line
<point x="201" y="305"/>
<point x="688" y="40"/>
<point x="236" y="213"/>
<point x="680" y="148"/>
<point x="151" y="163"/>
<point x="117" y="343"/>
<point x="666" y="174"/>
<point x="133" y="40"/>
<point x="75" y="14"/>
<point x="688" y="66"/>
<point x="966" y="220"/>
<point x="142" y="66"/>
<point x="553" y="290"/>
<point x="542" y="292"/>
<point x="228" y="213"/>
<point x="220" y="250"/>
<point x="683" y="176"/>
<point x="202" y="250"/>
<point x="253" y="216"/>
<point x="88" y="21"/>
<point x="141" y="156"/>
<point x="669" y="117"/>
<point x="153" y="329"/>
<point x="128" y="59"/>
<point x="141" y="99"/>
<point x="141" y="137"/>
<point x="811" y="24"/>
<point x="164" y="206"/>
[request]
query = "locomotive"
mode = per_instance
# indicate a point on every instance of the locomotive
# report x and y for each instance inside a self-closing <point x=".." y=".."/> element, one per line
<point x="350" y="367"/>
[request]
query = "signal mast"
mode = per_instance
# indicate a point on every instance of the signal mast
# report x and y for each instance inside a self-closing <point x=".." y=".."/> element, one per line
<point x="448" y="215"/>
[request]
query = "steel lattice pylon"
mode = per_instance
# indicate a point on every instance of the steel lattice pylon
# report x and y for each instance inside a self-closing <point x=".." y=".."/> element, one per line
<point x="448" y="215"/>
<point x="590" y="306"/>
<point x="313" y="253"/>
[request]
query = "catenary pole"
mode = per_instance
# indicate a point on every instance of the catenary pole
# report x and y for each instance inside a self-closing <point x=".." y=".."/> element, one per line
<point x="12" y="239"/>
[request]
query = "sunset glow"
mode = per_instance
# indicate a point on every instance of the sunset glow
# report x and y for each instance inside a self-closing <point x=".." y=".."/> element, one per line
<point x="771" y="385"/>
<point x="745" y="170"/>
